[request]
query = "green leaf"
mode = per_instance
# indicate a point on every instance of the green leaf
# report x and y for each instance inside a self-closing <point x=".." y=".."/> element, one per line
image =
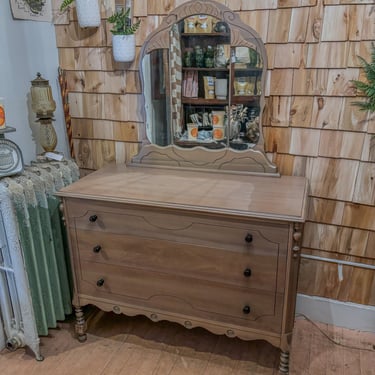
<point x="122" y="23"/>
<point x="366" y="88"/>
<point x="65" y="4"/>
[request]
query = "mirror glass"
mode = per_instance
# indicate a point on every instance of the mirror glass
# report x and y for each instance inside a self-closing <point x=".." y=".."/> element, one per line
<point x="203" y="90"/>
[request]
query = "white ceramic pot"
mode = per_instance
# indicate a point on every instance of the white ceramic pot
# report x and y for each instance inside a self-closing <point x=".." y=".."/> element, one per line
<point x="88" y="13"/>
<point x="123" y="47"/>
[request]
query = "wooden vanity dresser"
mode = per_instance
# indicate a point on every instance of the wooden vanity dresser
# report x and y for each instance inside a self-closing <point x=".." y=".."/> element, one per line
<point x="197" y="248"/>
<point x="198" y="229"/>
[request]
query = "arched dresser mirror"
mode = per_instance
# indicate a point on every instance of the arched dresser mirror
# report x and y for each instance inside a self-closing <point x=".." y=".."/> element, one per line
<point x="203" y="74"/>
<point x="199" y="228"/>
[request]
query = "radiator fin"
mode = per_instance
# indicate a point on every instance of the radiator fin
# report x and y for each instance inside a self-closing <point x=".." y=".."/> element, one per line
<point x="42" y="240"/>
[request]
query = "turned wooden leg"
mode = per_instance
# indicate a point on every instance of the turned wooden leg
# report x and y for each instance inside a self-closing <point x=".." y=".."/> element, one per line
<point x="284" y="362"/>
<point x="80" y="325"/>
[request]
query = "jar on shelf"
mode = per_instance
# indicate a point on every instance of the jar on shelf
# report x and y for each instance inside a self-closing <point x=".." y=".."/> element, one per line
<point x="189" y="57"/>
<point x="199" y="56"/>
<point x="209" y="57"/>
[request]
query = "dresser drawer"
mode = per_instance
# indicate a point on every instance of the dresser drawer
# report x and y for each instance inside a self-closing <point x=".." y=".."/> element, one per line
<point x="187" y="296"/>
<point x="235" y="235"/>
<point x="256" y="269"/>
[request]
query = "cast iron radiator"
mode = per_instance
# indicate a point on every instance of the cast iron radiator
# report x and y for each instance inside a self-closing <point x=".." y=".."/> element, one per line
<point x="35" y="275"/>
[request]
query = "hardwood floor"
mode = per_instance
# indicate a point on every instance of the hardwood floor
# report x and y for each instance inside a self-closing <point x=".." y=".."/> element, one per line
<point x="120" y="345"/>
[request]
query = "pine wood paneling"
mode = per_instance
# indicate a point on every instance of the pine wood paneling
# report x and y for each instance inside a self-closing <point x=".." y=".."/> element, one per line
<point x="285" y="163"/>
<point x="288" y="3"/>
<point x="371" y="123"/>
<point x="356" y="49"/>
<point x="301" y="111"/>
<point x="319" y="278"/>
<point x="82" y="128"/>
<point x="359" y="216"/>
<point x="304" y="142"/>
<point x="368" y="152"/>
<point x="348" y="288"/>
<point x="257" y="4"/>
<point x="352" y="118"/>
<point x="140" y="8"/>
<point x="281" y="82"/>
<point x="333" y="178"/>
<point x="330" y="2"/>
<point x="279" y="110"/>
<point x="82" y="58"/>
<point x="339" y="81"/>
<point x="368" y="24"/>
<point x="335" y="23"/>
<point x="336" y="239"/>
<point x="114" y="82"/>
<point x="129" y="132"/>
<point x="326" y="112"/>
<point x="278" y="26"/>
<point x="355" y="22"/>
<point x="71" y="35"/>
<point x="94" y="154"/>
<point x="109" y="106"/>
<point x="277" y="139"/>
<point x="160" y="7"/>
<point x="298" y="25"/>
<point x="310" y="81"/>
<point x="258" y="20"/>
<point x="345" y="145"/>
<point x="364" y="192"/>
<point x="289" y="55"/>
<point x="314" y="24"/>
<point x="335" y="55"/>
<point x="292" y="165"/>
<point x="325" y="211"/>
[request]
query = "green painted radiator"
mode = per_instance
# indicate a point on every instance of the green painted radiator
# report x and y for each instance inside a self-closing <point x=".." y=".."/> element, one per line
<point x="42" y="238"/>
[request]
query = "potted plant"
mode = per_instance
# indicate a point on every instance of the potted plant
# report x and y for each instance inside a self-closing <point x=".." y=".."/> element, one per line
<point x="367" y="88"/>
<point x="88" y="12"/>
<point x="123" y="38"/>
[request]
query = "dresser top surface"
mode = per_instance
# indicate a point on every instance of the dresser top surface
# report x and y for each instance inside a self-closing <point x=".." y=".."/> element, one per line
<point x="280" y="198"/>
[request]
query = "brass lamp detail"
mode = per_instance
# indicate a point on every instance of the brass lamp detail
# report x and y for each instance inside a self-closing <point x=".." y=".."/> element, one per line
<point x="43" y="105"/>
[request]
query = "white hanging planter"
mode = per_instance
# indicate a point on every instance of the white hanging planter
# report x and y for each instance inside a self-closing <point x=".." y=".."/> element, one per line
<point x="123" y="47"/>
<point x="88" y="13"/>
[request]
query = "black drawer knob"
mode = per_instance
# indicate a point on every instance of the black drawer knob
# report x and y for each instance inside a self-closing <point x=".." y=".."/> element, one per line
<point x="246" y="309"/>
<point x="249" y="238"/>
<point x="247" y="272"/>
<point x="100" y="282"/>
<point x="93" y="218"/>
<point x="96" y="249"/>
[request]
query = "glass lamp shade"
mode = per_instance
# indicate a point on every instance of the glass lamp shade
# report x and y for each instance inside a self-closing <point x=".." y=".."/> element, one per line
<point x="47" y="135"/>
<point x="42" y="102"/>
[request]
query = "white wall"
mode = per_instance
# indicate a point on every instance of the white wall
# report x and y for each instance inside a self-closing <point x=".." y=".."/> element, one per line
<point x="28" y="47"/>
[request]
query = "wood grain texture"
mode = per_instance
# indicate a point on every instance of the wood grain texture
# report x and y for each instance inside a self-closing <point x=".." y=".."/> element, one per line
<point x="313" y="48"/>
<point x="335" y="25"/>
<point x="278" y="26"/>
<point x="333" y="178"/>
<point x="301" y="111"/>
<point x="119" y="345"/>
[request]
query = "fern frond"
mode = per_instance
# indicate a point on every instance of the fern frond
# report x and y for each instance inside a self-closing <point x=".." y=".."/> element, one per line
<point x="366" y="88"/>
<point x="122" y="23"/>
<point x="65" y="4"/>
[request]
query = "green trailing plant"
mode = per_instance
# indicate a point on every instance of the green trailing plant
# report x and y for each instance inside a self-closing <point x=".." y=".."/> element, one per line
<point x="367" y="88"/>
<point x="65" y="4"/>
<point x="122" y="24"/>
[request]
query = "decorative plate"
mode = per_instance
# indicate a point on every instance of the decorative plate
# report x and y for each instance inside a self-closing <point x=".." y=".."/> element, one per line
<point x="11" y="161"/>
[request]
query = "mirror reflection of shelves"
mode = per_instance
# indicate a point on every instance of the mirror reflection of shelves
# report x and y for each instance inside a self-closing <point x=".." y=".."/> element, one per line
<point x="217" y="78"/>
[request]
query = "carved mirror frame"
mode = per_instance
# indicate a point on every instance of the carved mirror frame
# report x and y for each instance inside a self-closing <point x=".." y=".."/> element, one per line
<point x="252" y="160"/>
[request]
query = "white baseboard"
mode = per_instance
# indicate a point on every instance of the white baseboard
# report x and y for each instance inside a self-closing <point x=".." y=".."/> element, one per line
<point x="341" y="314"/>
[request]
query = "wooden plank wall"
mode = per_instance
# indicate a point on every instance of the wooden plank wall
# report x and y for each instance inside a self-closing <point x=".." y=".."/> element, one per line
<point x="310" y="127"/>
